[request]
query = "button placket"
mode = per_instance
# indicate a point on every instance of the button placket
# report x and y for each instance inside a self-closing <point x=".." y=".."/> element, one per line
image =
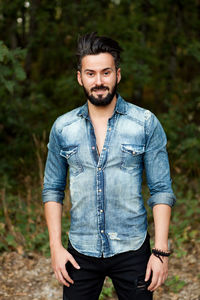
<point x="100" y="185"/>
<point x="100" y="199"/>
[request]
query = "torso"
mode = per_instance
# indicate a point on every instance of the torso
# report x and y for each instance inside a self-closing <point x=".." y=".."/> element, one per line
<point x="100" y="129"/>
<point x="100" y="120"/>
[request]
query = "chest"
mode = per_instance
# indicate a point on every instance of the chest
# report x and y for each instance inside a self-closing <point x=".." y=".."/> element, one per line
<point x="120" y="143"/>
<point x="100" y="129"/>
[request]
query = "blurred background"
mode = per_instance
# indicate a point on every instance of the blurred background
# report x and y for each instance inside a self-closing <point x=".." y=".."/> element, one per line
<point x="160" y="71"/>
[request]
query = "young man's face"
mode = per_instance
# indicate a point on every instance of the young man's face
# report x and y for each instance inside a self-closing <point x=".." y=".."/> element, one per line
<point x="99" y="78"/>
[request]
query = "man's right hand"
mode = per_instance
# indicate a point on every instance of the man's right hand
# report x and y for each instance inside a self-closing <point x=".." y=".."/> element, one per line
<point x="59" y="257"/>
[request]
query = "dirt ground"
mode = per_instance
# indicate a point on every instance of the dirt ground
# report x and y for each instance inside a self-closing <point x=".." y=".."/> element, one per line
<point x="24" y="277"/>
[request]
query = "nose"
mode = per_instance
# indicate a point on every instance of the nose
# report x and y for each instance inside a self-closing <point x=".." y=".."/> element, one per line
<point x="98" y="79"/>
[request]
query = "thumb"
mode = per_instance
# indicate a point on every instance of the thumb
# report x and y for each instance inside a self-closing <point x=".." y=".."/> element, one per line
<point x="148" y="273"/>
<point x="73" y="262"/>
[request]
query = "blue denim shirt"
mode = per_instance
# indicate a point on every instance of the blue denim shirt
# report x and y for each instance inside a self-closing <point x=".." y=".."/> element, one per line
<point x="107" y="213"/>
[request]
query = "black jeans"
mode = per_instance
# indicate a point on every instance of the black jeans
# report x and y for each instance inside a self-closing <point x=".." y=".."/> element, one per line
<point x="127" y="271"/>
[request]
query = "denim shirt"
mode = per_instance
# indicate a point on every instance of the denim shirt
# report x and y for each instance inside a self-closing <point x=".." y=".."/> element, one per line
<point x="107" y="210"/>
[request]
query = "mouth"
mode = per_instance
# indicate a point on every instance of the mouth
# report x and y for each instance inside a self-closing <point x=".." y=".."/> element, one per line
<point x="99" y="90"/>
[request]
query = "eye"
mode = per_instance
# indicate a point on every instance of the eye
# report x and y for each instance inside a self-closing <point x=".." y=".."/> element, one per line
<point x="107" y="73"/>
<point x="90" y="74"/>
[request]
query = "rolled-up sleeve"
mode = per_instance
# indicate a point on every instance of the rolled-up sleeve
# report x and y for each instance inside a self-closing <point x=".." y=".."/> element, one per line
<point x="157" y="164"/>
<point x="55" y="171"/>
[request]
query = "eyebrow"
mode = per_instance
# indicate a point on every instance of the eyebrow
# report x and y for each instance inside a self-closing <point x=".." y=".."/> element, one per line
<point x="89" y="70"/>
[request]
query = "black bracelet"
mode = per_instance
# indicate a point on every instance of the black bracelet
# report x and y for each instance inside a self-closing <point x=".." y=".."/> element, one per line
<point x="159" y="253"/>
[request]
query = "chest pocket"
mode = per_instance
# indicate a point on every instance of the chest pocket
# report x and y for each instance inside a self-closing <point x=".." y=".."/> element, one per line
<point x="132" y="157"/>
<point x="71" y="154"/>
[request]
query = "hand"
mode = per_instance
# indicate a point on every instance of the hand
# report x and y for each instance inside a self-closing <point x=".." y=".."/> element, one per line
<point x="59" y="257"/>
<point x="159" y="270"/>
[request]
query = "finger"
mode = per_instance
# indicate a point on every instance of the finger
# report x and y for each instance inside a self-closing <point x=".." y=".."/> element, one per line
<point x="159" y="283"/>
<point x="61" y="279"/>
<point x="153" y="282"/>
<point x="165" y="276"/>
<point x="73" y="262"/>
<point x="66" y="275"/>
<point x="56" y="276"/>
<point x="148" y="274"/>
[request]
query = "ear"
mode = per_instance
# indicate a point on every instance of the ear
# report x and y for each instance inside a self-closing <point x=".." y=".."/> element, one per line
<point x="118" y="75"/>
<point x="79" y="78"/>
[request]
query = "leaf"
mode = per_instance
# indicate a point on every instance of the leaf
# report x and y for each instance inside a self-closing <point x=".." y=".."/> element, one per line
<point x="10" y="85"/>
<point x="11" y="240"/>
<point x="20" y="74"/>
<point x="194" y="50"/>
<point x="3" y="51"/>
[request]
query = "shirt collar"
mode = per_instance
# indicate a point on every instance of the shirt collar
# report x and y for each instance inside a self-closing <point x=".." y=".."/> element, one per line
<point x="120" y="108"/>
<point x="83" y="112"/>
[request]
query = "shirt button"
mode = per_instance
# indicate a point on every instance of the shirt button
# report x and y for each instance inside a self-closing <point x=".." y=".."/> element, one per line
<point x="99" y="169"/>
<point x="99" y="190"/>
<point x="102" y="231"/>
<point x="133" y="152"/>
<point x="109" y="128"/>
<point x="101" y="210"/>
<point x="93" y="148"/>
<point x="104" y="148"/>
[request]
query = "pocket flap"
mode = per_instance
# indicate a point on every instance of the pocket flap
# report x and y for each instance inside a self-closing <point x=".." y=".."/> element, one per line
<point x="132" y="149"/>
<point x="67" y="152"/>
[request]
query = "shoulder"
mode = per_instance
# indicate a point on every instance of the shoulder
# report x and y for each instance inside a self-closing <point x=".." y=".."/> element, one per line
<point x="143" y="117"/>
<point x="154" y="132"/>
<point x="138" y="113"/>
<point x="66" y="120"/>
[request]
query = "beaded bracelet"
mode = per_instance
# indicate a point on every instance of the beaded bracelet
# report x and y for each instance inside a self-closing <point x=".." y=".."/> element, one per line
<point x="159" y="253"/>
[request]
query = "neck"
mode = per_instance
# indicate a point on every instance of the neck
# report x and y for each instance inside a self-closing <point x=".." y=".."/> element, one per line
<point x="102" y="112"/>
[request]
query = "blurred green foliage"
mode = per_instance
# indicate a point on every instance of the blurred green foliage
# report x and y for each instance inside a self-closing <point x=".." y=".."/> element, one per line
<point x="175" y="284"/>
<point x="160" y="70"/>
<point x="11" y="72"/>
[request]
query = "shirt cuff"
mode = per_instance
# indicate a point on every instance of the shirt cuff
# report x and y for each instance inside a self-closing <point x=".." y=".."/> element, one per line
<point x="52" y="196"/>
<point x="162" y="198"/>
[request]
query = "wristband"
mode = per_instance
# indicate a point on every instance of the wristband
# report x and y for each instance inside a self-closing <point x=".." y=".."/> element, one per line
<point x="159" y="253"/>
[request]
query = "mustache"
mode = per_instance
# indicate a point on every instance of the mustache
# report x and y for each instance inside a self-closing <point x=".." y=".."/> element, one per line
<point x="100" y="87"/>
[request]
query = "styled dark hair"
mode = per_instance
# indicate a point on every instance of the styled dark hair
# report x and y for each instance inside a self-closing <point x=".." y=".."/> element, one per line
<point x="91" y="43"/>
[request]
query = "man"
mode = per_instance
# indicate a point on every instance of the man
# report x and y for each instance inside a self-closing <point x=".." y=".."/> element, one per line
<point x="106" y="144"/>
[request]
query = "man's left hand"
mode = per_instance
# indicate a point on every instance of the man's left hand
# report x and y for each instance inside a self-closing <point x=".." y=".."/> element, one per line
<point x="159" y="271"/>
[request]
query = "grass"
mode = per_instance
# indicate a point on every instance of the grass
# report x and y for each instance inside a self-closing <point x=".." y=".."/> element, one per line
<point x="175" y="284"/>
<point x="108" y="289"/>
<point x="185" y="221"/>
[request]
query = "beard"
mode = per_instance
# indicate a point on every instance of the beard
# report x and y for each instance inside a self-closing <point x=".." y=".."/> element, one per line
<point x="100" y="100"/>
